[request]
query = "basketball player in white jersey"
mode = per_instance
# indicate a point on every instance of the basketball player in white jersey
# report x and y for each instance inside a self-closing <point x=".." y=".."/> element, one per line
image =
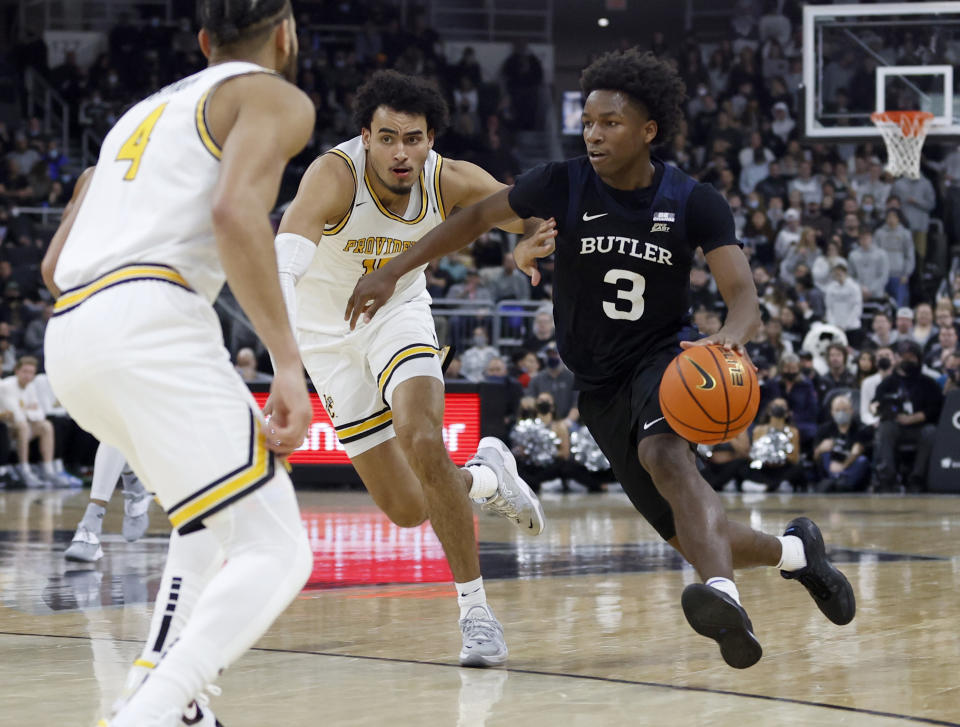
<point x="357" y="207"/>
<point x="179" y="201"/>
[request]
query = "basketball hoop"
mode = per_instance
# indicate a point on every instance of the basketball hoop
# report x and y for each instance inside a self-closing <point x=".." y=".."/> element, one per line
<point x="904" y="133"/>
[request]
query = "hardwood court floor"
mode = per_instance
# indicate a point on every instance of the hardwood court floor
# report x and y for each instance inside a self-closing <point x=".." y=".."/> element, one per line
<point x="591" y="611"/>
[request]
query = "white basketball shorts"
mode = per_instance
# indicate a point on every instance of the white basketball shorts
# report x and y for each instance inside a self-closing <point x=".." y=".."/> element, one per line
<point x="138" y="360"/>
<point x="356" y="375"/>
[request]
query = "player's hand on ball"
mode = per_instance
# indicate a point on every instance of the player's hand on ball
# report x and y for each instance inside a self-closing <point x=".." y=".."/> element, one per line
<point x="369" y="294"/>
<point x="540" y="244"/>
<point x="289" y="410"/>
<point x="721" y="338"/>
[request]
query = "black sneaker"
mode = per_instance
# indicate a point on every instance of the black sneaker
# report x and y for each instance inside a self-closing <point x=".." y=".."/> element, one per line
<point x="828" y="586"/>
<point x="712" y="613"/>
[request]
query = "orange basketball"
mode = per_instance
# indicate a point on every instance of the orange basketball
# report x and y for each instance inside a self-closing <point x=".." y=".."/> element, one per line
<point x="709" y="395"/>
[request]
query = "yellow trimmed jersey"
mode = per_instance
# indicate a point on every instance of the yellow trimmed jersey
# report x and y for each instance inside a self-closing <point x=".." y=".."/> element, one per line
<point x="365" y="239"/>
<point x="150" y="198"/>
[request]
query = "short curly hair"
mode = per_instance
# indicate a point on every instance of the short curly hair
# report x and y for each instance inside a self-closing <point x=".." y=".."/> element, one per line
<point x="401" y="93"/>
<point x="650" y="81"/>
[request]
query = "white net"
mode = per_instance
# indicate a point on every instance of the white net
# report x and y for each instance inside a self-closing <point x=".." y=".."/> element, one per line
<point x="904" y="133"/>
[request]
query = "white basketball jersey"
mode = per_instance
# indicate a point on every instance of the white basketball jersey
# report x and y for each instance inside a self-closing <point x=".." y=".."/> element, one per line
<point x="366" y="238"/>
<point x="149" y="200"/>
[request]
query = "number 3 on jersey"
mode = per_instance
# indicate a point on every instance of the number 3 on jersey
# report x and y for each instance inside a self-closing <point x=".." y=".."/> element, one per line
<point x="633" y="295"/>
<point x="133" y="148"/>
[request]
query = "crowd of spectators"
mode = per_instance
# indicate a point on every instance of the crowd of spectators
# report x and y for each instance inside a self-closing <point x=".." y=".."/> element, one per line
<point x="851" y="276"/>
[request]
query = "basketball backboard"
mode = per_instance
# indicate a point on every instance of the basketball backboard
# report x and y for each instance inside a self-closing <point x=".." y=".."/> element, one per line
<point x="858" y="59"/>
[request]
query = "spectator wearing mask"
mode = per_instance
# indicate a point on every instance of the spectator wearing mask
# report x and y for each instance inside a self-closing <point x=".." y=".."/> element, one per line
<point x="870" y="268"/>
<point x="555" y="379"/>
<point x="774" y="452"/>
<point x="868" y="386"/>
<point x="476" y="358"/>
<point x="844" y="303"/>
<point x="800" y="396"/>
<point x="840" y="453"/>
<point x="896" y="242"/>
<point x="908" y="404"/>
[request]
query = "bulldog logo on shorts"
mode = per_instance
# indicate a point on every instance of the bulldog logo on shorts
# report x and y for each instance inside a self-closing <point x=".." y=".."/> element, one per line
<point x="328" y="405"/>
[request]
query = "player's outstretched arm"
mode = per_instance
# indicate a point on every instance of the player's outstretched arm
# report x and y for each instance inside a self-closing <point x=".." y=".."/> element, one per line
<point x="374" y="289"/>
<point x="729" y="267"/>
<point x="49" y="264"/>
<point x="263" y="121"/>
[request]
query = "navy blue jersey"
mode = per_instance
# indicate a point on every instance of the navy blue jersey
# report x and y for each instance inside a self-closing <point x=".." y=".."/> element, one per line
<point x="621" y="288"/>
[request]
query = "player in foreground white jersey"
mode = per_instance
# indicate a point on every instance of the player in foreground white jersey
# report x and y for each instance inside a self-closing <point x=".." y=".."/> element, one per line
<point x="357" y="207"/>
<point x="179" y="201"/>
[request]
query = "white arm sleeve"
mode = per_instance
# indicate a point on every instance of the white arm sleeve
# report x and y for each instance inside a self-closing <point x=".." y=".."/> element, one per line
<point x="294" y="254"/>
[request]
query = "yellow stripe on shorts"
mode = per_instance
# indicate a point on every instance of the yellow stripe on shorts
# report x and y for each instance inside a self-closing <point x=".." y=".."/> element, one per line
<point x="373" y="423"/>
<point x="414" y="351"/>
<point x="187" y="515"/>
<point x="70" y="299"/>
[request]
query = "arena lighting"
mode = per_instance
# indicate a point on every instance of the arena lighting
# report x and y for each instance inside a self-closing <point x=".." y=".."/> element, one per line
<point x="603" y="22"/>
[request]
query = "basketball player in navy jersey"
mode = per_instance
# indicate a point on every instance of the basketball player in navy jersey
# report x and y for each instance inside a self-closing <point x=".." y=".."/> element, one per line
<point x="626" y="227"/>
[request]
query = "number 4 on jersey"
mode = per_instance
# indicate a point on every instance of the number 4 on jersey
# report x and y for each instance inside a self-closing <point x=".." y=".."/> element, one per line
<point x="133" y="148"/>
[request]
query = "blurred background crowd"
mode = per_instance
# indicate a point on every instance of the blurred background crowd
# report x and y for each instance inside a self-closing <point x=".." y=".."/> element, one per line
<point x="856" y="271"/>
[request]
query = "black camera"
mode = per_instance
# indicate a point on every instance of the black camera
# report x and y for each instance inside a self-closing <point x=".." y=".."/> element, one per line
<point x="889" y="405"/>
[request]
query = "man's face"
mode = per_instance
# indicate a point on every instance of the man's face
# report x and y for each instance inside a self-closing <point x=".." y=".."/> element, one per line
<point x="835" y="359"/>
<point x="616" y="131"/>
<point x="25" y="374"/>
<point x="397" y="145"/>
<point x="904" y="324"/>
<point x="881" y="325"/>
<point x="947" y="337"/>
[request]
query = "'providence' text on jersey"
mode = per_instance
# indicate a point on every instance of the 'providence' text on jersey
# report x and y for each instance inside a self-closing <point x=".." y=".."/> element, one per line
<point x="621" y="287"/>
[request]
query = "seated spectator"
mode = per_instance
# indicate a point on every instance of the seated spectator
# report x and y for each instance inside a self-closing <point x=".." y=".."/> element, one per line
<point x="883" y="335"/>
<point x="908" y="404"/>
<point x="453" y="372"/>
<point x="20" y="403"/>
<point x="824" y="264"/>
<point x="509" y="283"/>
<point x="789" y="234"/>
<point x="35" y="330"/>
<point x="476" y="358"/>
<point x="811" y="303"/>
<point x="895" y="240"/>
<point x="557" y="380"/>
<point x="246" y="366"/>
<point x="807" y="183"/>
<point x="903" y="323"/>
<point x="758" y="237"/>
<point x="866" y="366"/>
<point x="949" y="380"/>
<point x="793" y="327"/>
<point x="816" y="220"/>
<point x="841" y="449"/>
<point x="724" y="463"/>
<point x="870" y="267"/>
<point x="803" y="252"/>
<point x="495" y="372"/>
<point x="844" y="303"/>
<point x="774" y="453"/>
<point x="543" y="333"/>
<point x="800" y="395"/>
<point x="8" y="352"/>
<point x="924" y="330"/>
<point x="526" y="366"/>
<point x="868" y="387"/>
<point x="838" y="376"/>
<point x="471" y="289"/>
<point x="946" y="343"/>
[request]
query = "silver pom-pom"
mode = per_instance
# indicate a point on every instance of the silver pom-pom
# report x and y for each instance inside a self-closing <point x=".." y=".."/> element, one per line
<point x="534" y="443"/>
<point x="772" y="448"/>
<point x="585" y="450"/>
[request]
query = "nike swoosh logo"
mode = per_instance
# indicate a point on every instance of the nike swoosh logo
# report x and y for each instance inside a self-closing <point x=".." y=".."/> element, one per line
<point x="647" y="425"/>
<point x="708" y="381"/>
<point x="587" y="218"/>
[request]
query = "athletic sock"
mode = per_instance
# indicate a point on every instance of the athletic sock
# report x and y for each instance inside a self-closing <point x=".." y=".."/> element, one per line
<point x="725" y="585"/>
<point x="93" y="518"/>
<point x="470" y="594"/>
<point x="48" y="468"/>
<point x="485" y="483"/>
<point x="792" y="556"/>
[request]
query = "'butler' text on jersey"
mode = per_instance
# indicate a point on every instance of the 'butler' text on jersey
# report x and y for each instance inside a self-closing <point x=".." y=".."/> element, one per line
<point x="621" y="286"/>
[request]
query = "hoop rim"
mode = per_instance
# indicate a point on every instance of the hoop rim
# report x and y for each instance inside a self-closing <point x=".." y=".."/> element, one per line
<point x="911" y="123"/>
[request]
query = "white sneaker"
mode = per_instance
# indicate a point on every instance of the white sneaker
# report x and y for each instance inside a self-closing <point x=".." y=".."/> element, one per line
<point x="752" y="486"/>
<point x="29" y="478"/>
<point x="513" y="500"/>
<point x="136" y="518"/>
<point x="483" y="642"/>
<point x="85" y="546"/>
